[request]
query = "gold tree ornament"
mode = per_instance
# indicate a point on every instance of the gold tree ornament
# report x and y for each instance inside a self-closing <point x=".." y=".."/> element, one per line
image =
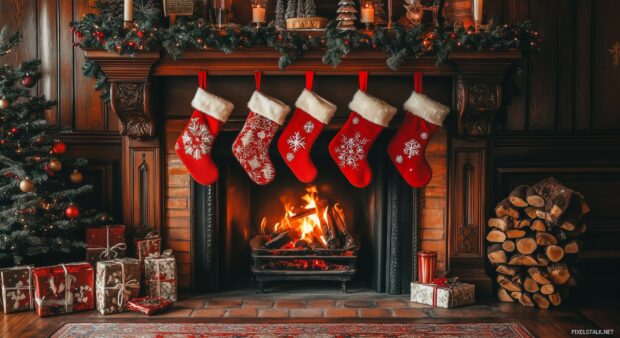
<point x="5" y="103"/>
<point x="26" y="185"/>
<point x="76" y="177"/>
<point x="55" y="165"/>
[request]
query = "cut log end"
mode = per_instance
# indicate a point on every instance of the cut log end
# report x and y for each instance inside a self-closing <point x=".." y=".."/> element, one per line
<point x="555" y="253"/>
<point x="545" y="238"/>
<point x="500" y="223"/>
<point x="506" y="209"/>
<point x="541" y="301"/>
<point x="518" y="195"/>
<point x="526" y="245"/>
<point x="523" y="260"/>
<point x="504" y="296"/>
<point x="508" y="246"/>
<point x="533" y="198"/>
<point x="530" y="285"/>
<point x="496" y="236"/>
<point x="508" y="284"/>
<point x="515" y="233"/>
<point x="571" y="247"/>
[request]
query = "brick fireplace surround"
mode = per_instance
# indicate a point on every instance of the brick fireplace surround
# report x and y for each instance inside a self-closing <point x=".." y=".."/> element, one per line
<point x="177" y="211"/>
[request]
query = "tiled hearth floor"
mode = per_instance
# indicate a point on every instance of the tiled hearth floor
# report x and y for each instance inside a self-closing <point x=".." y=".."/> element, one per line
<point x="329" y="305"/>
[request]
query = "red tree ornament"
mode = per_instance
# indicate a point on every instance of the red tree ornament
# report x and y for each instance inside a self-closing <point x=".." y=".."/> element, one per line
<point x="59" y="147"/>
<point x="29" y="81"/>
<point x="72" y="211"/>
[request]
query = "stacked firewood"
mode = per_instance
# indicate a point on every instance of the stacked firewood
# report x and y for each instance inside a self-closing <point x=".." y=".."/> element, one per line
<point x="533" y="241"/>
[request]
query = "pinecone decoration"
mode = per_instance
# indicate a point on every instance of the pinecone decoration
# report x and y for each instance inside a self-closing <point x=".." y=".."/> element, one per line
<point x="379" y="13"/>
<point x="346" y="15"/>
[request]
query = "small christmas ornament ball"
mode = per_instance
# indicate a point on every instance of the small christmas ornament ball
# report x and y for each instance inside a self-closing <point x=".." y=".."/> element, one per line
<point x="26" y="185"/>
<point x="59" y="147"/>
<point x="72" y="211"/>
<point x="55" y="165"/>
<point x="76" y="177"/>
<point x="14" y="130"/>
<point x="5" y="103"/>
<point x="28" y="81"/>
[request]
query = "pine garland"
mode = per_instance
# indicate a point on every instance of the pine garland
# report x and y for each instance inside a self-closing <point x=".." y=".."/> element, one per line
<point x="104" y="30"/>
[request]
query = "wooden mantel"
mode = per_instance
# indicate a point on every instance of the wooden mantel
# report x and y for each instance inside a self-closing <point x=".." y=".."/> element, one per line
<point x="477" y="87"/>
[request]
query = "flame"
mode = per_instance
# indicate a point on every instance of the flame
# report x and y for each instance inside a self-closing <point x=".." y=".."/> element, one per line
<point x="304" y="222"/>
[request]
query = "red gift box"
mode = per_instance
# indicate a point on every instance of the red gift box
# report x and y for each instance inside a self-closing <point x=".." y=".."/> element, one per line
<point x="149" y="305"/>
<point x="64" y="288"/>
<point x="105" y="243"/>
<point x="151" y="243"/>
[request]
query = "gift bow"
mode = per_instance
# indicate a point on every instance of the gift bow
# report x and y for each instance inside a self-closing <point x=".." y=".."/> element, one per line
<point x="152" y="234"/>
<point x="443" y="283"/>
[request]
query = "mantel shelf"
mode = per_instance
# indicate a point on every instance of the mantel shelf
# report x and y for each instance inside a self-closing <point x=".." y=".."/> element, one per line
<point x="248" y="60"/>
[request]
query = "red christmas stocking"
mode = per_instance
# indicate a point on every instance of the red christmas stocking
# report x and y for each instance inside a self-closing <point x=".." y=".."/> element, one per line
<point x="408" y="145"/>
<point x="312" y="114"/>
<point x="251" y="148"/>
<point x="350" y="146"/>
<point x="195" y="141"/>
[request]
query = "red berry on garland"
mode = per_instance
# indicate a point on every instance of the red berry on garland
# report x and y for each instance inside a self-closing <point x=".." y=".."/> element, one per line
<point x="346" y="42"/>
<point x="132" y="44"/>
<point x="59" y="147"/>
<point x="453" y="36"/>
<point x="2" y="142"/>
<point x="98" y="35"/>
<point x="13" y="131"/>
<point x="140" y="34"/>
<point x="29" y="81"/>
<point x="72" y="211"/>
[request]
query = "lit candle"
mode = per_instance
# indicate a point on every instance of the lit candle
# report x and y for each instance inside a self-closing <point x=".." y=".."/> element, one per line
<point x="128" y="10"/>
<point x="477" y="10"/>
<point x="368" y="15"/>
<point x="258" y="14"/>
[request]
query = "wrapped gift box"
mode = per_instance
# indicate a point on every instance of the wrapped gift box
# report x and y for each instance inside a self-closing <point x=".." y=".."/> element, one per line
<point x="17" y="289"/>
<point x="443" y="295"/>
<point x="149" y="244"/>
<point x="105" y="243"/>
<point x="160" y="275"/>
<point x="149" y="305"/>
<point x="117" y="281"/>
<point x="64" y="288"/>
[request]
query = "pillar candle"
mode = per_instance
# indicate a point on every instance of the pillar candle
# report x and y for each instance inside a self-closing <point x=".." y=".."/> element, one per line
<point x="368" y="15"/>
<point x="128" y="10"/>
<point x="477" y="10"/>
<point x="258" y="14"/>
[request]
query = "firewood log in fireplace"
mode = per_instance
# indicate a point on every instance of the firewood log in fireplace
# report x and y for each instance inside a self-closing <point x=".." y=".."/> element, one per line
<point x="532" y="241"/>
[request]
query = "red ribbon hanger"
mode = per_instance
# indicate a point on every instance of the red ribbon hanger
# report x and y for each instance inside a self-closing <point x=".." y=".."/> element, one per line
<point x="363" y="77"/>
<point x="309" y="79"/>
<point x="202" y="79"/>
<point x="417" y="82"/>
<point x="257" y="77"/>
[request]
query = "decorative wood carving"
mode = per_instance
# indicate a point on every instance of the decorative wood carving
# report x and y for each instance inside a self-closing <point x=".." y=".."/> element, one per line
<point x="130" y="102"/>
<point x="468" y="231"/>
<point x="476" y="106"/>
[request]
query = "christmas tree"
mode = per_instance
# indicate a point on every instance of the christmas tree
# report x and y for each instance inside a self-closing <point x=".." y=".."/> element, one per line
<point x="280" y="21"/>
<point x="291" y="9"/>
<point x="346" y="15"/>
<point x="310" y="9"/>
<point x="38" y="217"/>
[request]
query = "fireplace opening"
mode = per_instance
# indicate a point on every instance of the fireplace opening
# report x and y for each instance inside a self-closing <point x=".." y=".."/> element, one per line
<point x="329" y="233"/>
<point x="309" y="242"/>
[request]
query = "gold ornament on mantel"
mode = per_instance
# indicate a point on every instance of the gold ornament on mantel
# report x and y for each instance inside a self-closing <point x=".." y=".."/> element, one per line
<point x="76" y="177"/>
<point x="615" y="54"/>
<point x="26" y="185"/>
<point x="55" y="165"/>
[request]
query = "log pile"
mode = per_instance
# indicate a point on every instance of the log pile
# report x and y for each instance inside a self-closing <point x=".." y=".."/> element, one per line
<point x="533" y="241"/>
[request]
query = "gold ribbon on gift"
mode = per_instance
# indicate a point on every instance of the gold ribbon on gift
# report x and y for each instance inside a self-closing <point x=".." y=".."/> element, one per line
<point x="17" y="288"/>
<point x="108" y="251"/>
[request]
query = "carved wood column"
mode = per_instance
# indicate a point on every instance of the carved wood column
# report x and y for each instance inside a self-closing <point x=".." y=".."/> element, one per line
<point x="130" y="99"/>
<point x="478" y="99"/>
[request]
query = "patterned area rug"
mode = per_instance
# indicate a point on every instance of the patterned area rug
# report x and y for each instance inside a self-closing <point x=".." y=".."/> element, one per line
<point x="174" y="330"/>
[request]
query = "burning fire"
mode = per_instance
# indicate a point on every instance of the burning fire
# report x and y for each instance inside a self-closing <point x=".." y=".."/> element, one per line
<point x="305" y="223"/>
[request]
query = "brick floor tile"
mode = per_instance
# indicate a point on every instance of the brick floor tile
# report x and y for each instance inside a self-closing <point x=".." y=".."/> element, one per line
<point x="392" y="304"/>
<point x="273" y="313"/>
<point x="176" y="312"/>
<point x="258" y="303"/>
<point x="322" y="303"/>
<point x="290" y="303"/>
<point x="306" y="313"/>
<point x="360" y="303"/>
<point x="241" y="312"/>
<point x="410" y="313"/>
<point x="191" y="303"/>
<point x="223" y="303"/>
<point x="375" y="313"/>
<point x="340" y="313"/>
<point x="208" y="313"/>
<point x="463" y="312"/>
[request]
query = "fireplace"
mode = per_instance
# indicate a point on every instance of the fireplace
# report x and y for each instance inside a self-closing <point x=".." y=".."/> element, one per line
<point x="246" y="234"/>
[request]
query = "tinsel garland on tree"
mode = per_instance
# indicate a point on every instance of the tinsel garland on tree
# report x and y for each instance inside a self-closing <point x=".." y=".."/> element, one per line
<point x="105" y="30"/>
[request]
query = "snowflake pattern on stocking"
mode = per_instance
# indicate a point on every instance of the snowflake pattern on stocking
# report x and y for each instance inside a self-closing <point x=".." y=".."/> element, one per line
<point x="411" y="148"/>
<point x="296" y="142"/>
<point x="309" y="127"/>
<point x="253" y="149"/>
<point x="351" y="150"/>
<point x="197" y="140"/>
